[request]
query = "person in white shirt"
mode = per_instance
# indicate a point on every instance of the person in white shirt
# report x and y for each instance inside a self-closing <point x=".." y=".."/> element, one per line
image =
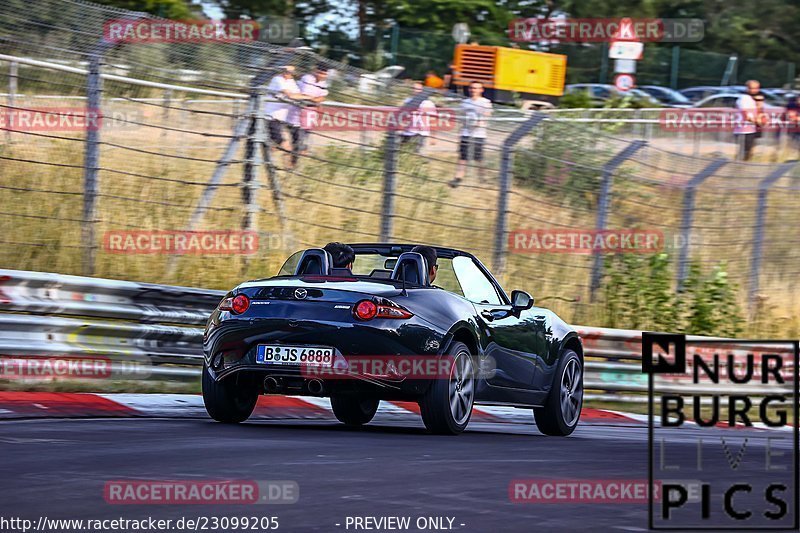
<point x="476" y="110"/>
<point x="283" y="96"/>
<point x="315" y="87"/>
<point x="749" y="105"/>
<point x="419" y="128"/>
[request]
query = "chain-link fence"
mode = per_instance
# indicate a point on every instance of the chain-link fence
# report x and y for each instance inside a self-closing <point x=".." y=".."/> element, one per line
<point x="184" y="146"/>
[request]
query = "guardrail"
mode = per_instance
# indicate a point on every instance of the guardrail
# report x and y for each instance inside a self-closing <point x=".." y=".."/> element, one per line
<point x="153" y="331"/>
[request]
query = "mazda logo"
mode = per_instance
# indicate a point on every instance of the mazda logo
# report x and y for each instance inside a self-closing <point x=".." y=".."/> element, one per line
<point x="300" y="294"/>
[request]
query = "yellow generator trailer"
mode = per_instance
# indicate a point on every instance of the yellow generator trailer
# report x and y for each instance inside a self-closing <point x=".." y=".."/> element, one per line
<point x="534" y="75"/>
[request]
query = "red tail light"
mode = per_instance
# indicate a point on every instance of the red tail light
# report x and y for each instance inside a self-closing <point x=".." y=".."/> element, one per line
<point x="237" y="305"/>
<point x="367" y="310"/>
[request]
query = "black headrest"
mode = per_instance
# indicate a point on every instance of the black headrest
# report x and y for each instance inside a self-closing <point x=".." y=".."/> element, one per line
<point x="314" y="262"/>
<point x="411" y="267"/>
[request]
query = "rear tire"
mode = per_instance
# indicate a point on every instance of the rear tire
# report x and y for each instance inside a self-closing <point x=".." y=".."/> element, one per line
<point x="231" y="400"/>
<point x="561" y="412"/>
<point x="447" y="405"/>
<point x="354" y="411"/>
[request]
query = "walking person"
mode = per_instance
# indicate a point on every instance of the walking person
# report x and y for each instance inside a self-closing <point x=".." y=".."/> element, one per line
<point x="418" y="131"/>
<point x="476" y="110"/>
<point x="747" y="126"/>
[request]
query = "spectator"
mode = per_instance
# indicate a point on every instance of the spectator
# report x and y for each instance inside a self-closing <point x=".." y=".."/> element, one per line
<point x="286" y="94"/>
<point x="420" y="128"/>
<point x="793" y="117"/>
<point x="747" y="125"/>
<point x="476" y="110"/>
<point x="315" y="87"/>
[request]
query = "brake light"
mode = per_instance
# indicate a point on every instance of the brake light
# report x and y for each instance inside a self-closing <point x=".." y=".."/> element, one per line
<point x="367" y="310"/>
<point x="237" y="305"/>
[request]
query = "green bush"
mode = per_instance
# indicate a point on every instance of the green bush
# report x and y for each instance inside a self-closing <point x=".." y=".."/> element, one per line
<point x="638" y="294"/>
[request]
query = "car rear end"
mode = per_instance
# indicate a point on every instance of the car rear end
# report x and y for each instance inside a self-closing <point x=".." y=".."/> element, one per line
<point x="313" y="335"/>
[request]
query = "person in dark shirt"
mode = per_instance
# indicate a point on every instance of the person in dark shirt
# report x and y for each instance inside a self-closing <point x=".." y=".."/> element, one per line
<point x="429" y="253"/>
<point x="342" y="254"/>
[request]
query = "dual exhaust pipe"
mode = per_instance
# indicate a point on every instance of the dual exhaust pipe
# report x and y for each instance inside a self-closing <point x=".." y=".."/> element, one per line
<point x="274" y="385"/>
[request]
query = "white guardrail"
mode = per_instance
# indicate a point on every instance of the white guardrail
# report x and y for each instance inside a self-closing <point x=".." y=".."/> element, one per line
<point x="150" y="331"/>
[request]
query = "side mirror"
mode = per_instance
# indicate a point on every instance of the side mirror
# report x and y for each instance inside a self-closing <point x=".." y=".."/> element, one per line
<point x="521" y="300"/>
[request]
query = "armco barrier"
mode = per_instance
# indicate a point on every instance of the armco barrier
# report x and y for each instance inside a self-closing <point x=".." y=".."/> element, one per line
<point x="159" y="327"/>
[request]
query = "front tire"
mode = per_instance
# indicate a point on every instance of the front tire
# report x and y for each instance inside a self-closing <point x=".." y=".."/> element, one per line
<point x="231" y="400"/>
<point x="447" y="405"/>
<point x="562" y="410"/>
<point x="354" y="411"/>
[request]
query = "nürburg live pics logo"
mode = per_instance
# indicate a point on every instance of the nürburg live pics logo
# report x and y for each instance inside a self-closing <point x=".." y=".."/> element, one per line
<point x="722" y="433"/>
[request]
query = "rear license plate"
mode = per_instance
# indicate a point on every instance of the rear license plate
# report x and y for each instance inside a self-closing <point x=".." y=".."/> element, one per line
<point x="287" y="355"/>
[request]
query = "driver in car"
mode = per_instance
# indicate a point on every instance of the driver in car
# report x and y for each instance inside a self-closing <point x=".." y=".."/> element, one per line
<point x="430" y="256"/>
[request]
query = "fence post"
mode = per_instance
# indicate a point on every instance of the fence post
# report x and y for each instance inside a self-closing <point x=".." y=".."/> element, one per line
<point x="252" y="162"/>
<point x="604" y="204"/>
<point x="675" y="67"/>
<point x="758" y="231"/>
<point x="13" y="72"/>
<point x="390" y="167"/>
<point x="687" y="216"/>
<point x="506" y="174"/>
<point x="91" y="162"/>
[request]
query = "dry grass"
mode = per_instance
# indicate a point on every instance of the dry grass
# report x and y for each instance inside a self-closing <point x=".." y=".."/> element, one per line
<point x="336" y="194"/>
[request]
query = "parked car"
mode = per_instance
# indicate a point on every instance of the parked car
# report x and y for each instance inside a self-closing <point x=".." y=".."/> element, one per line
<point x="695" y="94"/>
<point x="601" y="92"/>
<point x="729" y="100"/>
<point x="666" y="96"/>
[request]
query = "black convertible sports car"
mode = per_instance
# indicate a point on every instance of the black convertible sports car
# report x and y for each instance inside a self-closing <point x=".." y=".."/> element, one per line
<point x="381" y="331"/>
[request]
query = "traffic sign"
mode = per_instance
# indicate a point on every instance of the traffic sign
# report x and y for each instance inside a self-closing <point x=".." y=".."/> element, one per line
<point x="624" y="82"/>
<point x="625" y="50"/>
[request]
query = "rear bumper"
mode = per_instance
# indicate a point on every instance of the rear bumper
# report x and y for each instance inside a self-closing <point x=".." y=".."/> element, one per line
<point x="231" y="347"/>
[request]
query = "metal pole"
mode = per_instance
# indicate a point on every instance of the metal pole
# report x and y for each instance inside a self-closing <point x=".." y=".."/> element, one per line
<point x="94" y="91"/>
<point x="603" y="63"/>
<point x="390" y="167"/>
<point x="604" y="204"/>
<point x="91" y="160"/>
<point x="506" y="174"/>
<point x="688" y="216"/>
<point x="393" y="44"/>
<point x="13" y="72"/>
<point x="389" y="181"/>
<point x="253" y="153"/>
<point x="674" y="67"/>
<point x="758" y="230"/>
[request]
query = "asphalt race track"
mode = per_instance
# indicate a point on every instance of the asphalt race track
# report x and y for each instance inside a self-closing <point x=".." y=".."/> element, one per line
<point x="59" y="467"/>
